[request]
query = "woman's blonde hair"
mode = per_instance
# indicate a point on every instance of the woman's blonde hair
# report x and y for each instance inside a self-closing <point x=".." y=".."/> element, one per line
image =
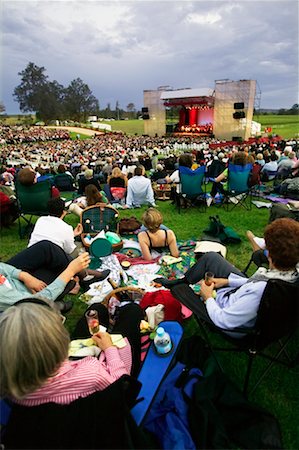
<point x="33" y="345"/>
<point x="116" y="173"/>
<point x="152" y="219"/>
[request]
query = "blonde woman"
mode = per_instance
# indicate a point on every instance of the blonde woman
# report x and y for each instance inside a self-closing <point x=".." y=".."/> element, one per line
<point x="156" y="236"/>
<point x="118" y="184"/>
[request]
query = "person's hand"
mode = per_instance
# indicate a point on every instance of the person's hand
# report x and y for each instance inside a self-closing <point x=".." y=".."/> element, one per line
<point x="206" y="291"/>
<point x="79" y="263"/>
<point x="103" y="340"/>
<point x="32" y="284"/>
<point x="220" y="282"/>
<point x="78" y="230"/>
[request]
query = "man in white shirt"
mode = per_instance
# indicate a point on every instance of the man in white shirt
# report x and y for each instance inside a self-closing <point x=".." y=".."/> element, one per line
<point x="139" y="191"/>
<point x="53" y="228"/>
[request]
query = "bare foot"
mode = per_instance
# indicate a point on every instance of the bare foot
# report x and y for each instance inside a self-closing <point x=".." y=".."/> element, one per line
<point x="251" y="237"/>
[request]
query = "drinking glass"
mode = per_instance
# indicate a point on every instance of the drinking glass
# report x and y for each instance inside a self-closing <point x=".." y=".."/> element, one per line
<point x="93" y="322"/>
<point x="87" y="277"/>
<point x="209" y="278"/>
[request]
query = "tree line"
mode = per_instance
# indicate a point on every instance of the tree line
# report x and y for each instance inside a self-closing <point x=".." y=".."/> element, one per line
<point x="50" y="100"/>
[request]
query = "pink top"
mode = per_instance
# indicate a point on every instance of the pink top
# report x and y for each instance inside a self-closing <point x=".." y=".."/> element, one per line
<point x="83" y="377"/>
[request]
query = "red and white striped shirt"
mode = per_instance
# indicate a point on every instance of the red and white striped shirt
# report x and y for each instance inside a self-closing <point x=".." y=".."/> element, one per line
<point x="83" y="377"/>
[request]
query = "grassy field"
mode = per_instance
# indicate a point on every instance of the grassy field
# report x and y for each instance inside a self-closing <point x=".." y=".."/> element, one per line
<point x="279" y="392"/>
<point x="286" y="126"/>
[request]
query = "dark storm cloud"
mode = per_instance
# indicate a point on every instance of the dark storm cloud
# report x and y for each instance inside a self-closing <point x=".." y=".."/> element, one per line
<point x="121" y="48"/>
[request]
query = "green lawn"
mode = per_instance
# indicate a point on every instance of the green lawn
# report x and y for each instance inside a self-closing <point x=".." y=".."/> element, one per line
<point x="279" y="392"/>
<point x="286" y="126"/>
<point x="127" y="126"/>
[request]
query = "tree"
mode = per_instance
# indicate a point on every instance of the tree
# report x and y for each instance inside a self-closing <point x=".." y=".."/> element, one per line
<point x="131" y="110"/>
<point x="117" y="110"/>
<point x="52" y="106"/>
<point x="79" y="101"/>
<point x="29" y="93"/>
<point x="2" y="108"/>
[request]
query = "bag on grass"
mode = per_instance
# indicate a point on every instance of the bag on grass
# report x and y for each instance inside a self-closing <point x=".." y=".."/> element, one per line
<point x="128" y="225"/>
<point x="217" y="229"/>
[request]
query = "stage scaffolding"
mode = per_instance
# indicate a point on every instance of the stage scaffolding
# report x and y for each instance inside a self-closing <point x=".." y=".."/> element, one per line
<point x="156" y="124"/>
<point x="228" y="92"/>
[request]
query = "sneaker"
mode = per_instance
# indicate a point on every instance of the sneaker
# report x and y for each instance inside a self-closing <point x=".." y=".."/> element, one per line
<point x="233" y="200"/>
<point x="209" y="201"/>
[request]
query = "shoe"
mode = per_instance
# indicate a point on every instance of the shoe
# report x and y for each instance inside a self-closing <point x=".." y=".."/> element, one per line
<point x="100" y="276"/>
<point x="169" y="283"/>
<point x="209" y="201"/>
<point x="63" y="307"/>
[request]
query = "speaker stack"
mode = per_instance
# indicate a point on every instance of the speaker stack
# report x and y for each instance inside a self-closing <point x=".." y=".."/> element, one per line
<point x="239" y="114"/>
<point x="145" y="114"/>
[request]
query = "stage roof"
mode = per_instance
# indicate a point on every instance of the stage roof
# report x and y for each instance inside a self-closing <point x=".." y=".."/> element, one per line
<point x="186" y="93"/>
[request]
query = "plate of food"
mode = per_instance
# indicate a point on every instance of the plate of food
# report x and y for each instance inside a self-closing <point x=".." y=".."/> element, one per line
<point x="130" y="252"/>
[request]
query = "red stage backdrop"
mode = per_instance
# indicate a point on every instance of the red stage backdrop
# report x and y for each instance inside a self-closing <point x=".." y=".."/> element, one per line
<point x="205" y="116"/>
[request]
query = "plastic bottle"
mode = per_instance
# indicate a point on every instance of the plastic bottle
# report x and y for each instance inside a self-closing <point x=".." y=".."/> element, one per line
<point x="162" y="341"/>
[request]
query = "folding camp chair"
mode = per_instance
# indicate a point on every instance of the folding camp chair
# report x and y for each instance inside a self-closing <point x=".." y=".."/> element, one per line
<point x="277" y="322"/>
<point x="97" y="218"/>
<point x="33" y="201"/>
<point x="259" y="258"/>
<point x="238" y="192"/>
<point x="192" y="187"/>
<point x="100" y="421"/>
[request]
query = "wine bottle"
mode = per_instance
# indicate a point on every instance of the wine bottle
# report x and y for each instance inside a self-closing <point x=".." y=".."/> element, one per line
<point x="122" y="296"/>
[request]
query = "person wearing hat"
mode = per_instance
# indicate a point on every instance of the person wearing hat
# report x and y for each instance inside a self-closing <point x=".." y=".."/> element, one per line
<point x="159" y="174"/>
<point x="88" y="179"/>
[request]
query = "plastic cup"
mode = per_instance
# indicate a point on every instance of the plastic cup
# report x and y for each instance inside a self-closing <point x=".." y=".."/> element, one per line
<point x="93" y="321"/>
<point x="209" y="278"/>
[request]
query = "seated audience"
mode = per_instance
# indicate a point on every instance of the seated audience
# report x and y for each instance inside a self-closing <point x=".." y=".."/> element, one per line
<point x="28" y="177"/>
<point x="220" y="184"/>
<point x="140" y="191"/>
<point x="35" y="369"/>
<point x="155" y="236"/>
<point x="42" y="270"/>
<point x="185" y="160"/>
<point x="237" y="298"/>
<point x="270" y="168"/>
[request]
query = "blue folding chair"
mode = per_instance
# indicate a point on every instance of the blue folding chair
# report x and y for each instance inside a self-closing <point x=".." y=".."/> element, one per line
<point x="238" y="192"/>
<point x="192" y="187"/>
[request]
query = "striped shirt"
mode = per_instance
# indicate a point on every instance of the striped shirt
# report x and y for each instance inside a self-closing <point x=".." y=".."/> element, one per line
<point x="81" y="378"/>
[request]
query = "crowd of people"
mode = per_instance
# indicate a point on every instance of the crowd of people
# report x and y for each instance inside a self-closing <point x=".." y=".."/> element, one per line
<point x="118" y="169"/>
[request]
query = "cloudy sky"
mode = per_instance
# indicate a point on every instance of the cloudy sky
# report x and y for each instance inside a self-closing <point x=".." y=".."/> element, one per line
<point x="120" y="48"/>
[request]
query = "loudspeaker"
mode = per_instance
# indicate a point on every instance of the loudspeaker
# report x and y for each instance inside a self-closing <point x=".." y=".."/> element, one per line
<point x="145" y="116"/>
<point x="239" y="115"/>
<point x="239" y="105"/>
<point x="144" y="110"/>
<point x="236" y="139"/>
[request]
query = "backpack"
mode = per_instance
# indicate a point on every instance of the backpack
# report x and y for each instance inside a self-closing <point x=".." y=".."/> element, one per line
<point x="168" y="416"/>
<point x="204" y="409"/>
<point x="226" y="235"/>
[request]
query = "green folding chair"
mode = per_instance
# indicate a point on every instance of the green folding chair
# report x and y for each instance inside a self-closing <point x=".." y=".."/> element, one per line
<point x="32" y="201"/>
<point x="238" y="192"/>
<point x="192" y="187"/>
